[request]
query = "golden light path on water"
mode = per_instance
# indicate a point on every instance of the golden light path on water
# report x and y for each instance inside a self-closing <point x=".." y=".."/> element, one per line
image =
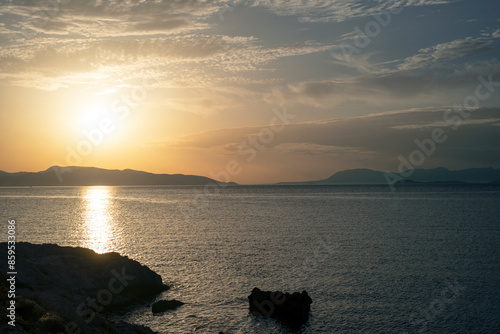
<point x="98" y="219"/>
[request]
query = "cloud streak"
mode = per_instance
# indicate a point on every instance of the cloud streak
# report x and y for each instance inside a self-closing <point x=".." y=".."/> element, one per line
<point x="386" y="134"/>
<point x="339" y="10"/>
<point x="445" y="52"/>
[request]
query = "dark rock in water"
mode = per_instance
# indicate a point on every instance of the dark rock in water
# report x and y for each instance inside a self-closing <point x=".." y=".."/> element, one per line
<point x="67" y="289"/>
<point x="166" y="305"/>
<point x="292" y="309"/>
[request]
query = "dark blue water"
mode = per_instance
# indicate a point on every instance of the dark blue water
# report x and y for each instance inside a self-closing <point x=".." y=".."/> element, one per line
<point x="424" y="259"/>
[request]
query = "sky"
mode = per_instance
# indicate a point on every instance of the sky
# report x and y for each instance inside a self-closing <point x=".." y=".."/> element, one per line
<point x="255" y="91"/>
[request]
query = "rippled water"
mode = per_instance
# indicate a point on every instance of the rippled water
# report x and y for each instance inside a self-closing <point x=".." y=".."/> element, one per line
<point x="422" y="259"/>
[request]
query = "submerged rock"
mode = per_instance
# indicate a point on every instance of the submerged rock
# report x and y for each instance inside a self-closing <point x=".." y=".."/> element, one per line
<point x="292" y="309"/>
<point x="69" y="288"/>
<point x="165" y="305"/>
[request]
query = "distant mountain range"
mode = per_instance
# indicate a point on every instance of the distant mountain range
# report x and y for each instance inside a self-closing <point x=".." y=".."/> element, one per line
<point x="90" y="176"/>
<point x="436" y="175"/>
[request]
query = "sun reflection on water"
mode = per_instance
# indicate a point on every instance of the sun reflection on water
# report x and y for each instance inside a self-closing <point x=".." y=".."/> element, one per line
<point x="98" y="219"/>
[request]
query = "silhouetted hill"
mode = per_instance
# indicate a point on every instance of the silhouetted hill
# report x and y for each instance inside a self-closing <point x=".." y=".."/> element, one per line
<point x="91" y="176"/>
<point x="436" y="175"/>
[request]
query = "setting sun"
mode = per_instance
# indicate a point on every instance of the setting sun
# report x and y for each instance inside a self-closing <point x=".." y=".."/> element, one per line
<point x="92" y="116"/>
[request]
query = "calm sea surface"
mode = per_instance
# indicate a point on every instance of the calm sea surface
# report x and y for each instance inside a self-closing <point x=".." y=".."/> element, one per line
<point x="424" y="259"/>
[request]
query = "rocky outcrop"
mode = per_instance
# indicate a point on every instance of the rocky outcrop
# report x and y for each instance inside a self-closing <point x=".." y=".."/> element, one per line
<point x="291" y="309"/>
<point x="165" y="305"/>
<point x="65" y="287"/>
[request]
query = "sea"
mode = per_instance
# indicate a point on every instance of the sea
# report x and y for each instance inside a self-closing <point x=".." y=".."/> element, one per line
<point x="420" y="259"/>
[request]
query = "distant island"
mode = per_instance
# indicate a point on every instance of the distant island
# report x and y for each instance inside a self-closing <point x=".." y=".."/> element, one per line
<point x="91" y="176"/>
<point x="439" y="175"/>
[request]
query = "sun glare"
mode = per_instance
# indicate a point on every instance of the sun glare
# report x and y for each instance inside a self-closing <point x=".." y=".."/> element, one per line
<point x="91" y="116"/>
<point x="98" y="219"/>
<point x="99" y="125"/>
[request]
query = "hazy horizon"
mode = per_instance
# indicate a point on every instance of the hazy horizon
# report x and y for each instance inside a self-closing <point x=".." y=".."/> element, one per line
<point x="355" y="176"/>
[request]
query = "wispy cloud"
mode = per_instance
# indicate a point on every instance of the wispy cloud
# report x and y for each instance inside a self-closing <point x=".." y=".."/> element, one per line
<point x="217" y="55"/>
<point x="434" y="85"/>
<point x="379" y="130"/>
<point x="446" y="52"/>
<point x="339" y="10"/>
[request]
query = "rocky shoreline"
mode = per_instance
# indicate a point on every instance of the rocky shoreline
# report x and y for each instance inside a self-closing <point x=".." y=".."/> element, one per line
<point x="73" y="290"/>
<point x="70" y="289"/>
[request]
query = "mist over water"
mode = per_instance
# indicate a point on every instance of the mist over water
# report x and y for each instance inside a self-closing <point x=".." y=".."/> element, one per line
<point x="421" y="259"/>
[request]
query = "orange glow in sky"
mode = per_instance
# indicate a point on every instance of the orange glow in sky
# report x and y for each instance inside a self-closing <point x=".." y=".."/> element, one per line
<point x="291" y="90"/>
